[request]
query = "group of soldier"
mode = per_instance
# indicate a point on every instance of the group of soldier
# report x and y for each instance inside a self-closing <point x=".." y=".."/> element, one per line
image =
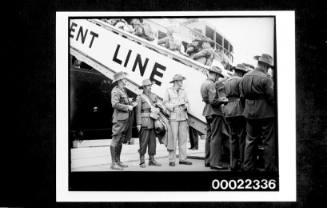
<point x="239" y="110"/>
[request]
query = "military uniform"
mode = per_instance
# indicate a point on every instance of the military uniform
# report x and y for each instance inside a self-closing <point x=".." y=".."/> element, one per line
<point x="217" y="130"/>
<point x="194" y="138"/>
<point x="206" y="55"/>
<point x="147" y="134"/>
<point x="257" y="89"/>
<point x="176" y="102"/>
<point x="120" y="120"/>
<point x="234" y="116"/>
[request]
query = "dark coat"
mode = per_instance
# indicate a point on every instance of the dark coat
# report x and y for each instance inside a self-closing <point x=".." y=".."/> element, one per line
<point x="258" y="91"/>
<point x="119" y="102"/>
<point x="143" y="110"/>
<point x="234" y="107"/>
<point x="210" y="97"/>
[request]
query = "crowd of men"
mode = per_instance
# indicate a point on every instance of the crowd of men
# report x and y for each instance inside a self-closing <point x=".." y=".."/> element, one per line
<point x="200" y="49"/>
<point x="239" y="112"/>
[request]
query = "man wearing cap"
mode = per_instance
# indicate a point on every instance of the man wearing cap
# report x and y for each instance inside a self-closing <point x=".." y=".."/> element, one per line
<point x="216" y="124"/>
<point x="145" y="123"/>
<point x="120" y="118"/>
<point x="176" y="101"/>
<point x="207" y="54"/>
<point x="234" y="115"/>
<point x="257" y="89"/>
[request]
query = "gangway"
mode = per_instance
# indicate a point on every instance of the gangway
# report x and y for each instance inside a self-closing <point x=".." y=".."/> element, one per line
<point x="108" y="49"/>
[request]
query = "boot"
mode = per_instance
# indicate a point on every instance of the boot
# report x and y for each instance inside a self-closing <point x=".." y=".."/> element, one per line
<point x="142" y="162"/>
<point x="153" y="162"/>
<point x="118" y="152"/>
<point x="114" y="165"/>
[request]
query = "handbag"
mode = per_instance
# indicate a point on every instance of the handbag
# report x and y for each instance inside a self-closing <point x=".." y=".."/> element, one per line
<point x="154" y="114"/>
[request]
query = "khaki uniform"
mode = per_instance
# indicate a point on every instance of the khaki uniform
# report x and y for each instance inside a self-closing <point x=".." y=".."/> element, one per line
<point x="257" y="89"/>
<point x="147" y="135"/>
<point x="120" y="117"/>
<point x="178" y="121"/>
<point x="205" y="56"/>
<point x="217" y="129"/>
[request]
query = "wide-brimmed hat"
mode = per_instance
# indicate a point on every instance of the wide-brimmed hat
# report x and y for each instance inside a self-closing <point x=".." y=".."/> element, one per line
<point x="145" y="82"/>
<point x="216" y="69"/>
<point x="240" y="67"/>
<point x="177" y="77"/>
<point x="265" y="58"/>
<point x="119" y="75"/>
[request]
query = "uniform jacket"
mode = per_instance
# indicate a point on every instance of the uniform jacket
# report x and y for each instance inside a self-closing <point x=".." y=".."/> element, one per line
<point x="210" y="97"/>
<point x="143" y="110"/>
<point x="119" y="102"/>
<point x="257" y="89"/>
<point x="173" y="100"/>
<point x="234" y="107"/>
<point x="205" y="56"/>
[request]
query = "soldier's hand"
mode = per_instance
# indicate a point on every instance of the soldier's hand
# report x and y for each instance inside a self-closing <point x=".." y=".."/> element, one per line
<point x="223" y="99"/>
<point x="138" y="127"/>
<point x="130" y="107"/>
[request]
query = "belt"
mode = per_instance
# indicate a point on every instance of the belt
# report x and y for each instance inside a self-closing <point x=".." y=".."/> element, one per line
<point x="145" y="111"/>
<point x="145" y="114"/>
<point x="232" y="98"/>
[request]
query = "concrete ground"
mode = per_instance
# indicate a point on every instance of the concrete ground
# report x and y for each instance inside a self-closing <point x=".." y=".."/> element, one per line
<point x="94" y="155"/>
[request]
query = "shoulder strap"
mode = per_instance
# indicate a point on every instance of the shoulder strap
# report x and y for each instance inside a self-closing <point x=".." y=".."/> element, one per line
<point x="146" y="99"/>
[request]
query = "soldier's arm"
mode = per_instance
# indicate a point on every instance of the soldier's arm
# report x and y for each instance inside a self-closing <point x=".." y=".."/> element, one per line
<point x="240" y="88"/>
<point x="204" y="93"/>
<point x="214" y="100"/>
<point x="269" y="90"/>
<point x="210" y="59"/>
<point x="115" y="97"/>
<point x="200" y="54"/>
<point x="138" y="110"/>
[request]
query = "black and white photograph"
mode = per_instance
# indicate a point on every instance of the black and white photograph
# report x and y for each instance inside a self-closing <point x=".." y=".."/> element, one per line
<point x="164" y="103"/>
<point x="172" y="102"/>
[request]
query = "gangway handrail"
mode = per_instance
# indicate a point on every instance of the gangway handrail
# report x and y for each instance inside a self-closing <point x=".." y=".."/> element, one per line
<point x="195" y="122"/>
<point x="162" y="50"/>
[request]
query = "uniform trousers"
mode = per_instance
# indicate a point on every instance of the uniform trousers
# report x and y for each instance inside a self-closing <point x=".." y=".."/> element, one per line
<point x="214" y="144"/>
<point x="237" y="129"/>
<point x="119" y="130"/>
<point x="180" y="135"/>
<point x="260" y="129"/>
<point x="147" y="140"/>
<point x="194" y="138"/>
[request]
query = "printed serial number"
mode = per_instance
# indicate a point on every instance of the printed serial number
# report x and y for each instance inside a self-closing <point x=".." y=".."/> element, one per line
<point x="241" y="184"/>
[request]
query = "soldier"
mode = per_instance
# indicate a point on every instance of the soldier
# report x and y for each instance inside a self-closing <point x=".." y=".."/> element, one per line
<point x="257" y="89"/>
<point x="234" y="115"/>
<point x="145" y="123"/>
<point x="120" y="119"/>
<point x="194" y="47"/>
<point x="176" y="101"/>
<point x="216" y="124"/>
<point x="207" y="53"/>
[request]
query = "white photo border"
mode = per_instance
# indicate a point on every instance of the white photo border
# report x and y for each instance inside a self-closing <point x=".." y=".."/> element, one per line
<point x="285" y="42"/>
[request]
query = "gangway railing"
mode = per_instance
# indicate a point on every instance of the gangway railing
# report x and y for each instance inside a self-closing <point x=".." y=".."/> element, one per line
<point x="160" y="49"/>
<point x="80" y="52"/>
